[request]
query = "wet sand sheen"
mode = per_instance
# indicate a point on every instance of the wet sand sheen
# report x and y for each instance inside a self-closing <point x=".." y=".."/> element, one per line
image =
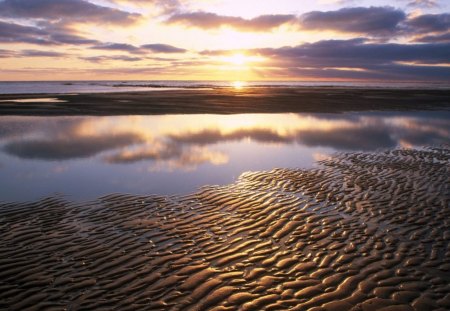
<point x="365" y="231"/>
<point x="226" y="101"/>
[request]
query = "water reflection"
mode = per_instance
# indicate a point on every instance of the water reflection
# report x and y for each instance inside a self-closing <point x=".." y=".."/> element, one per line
<point x="147" y="153"/>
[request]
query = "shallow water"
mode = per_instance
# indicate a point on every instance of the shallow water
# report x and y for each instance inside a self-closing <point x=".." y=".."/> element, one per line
<point x="85" y="157"/>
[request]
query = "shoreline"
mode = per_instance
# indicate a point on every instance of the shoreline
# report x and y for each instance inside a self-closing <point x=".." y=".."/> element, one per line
<point x="226" y="101"/>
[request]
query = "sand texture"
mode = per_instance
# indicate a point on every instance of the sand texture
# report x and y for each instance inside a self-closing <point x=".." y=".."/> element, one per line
<point x="226" y="101"/>
<point x="364" y="231"/>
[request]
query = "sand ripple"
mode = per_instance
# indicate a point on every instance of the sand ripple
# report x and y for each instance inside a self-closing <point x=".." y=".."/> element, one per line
<point x="366" y="231"/>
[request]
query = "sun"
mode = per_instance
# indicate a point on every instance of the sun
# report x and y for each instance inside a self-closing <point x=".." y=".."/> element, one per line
<point x="241" y="60"/>
<point x="237" y="59"/>
<point x="238" y="85"/>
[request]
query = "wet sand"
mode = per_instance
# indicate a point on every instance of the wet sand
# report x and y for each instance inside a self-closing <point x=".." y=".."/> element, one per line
<point x="363" y="231"/>
<point x="226" y="101"/>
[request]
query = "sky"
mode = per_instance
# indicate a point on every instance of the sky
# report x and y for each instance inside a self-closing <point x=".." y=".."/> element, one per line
<point x="236" y="40"/>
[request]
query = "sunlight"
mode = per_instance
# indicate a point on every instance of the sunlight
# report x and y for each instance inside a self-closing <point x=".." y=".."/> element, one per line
<point x="239" y="84"/>
<point x="237" y="59"/>
<point x="241" y="60"/>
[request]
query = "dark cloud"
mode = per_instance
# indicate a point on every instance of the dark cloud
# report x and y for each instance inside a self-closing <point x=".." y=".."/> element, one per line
<point x="206" y="20"/>
<point x="156" y="48"/>
<point x="357" y="59"/>
<point x="372" y="20"/>
<point x="71" y="39"/>
<point x="64" y="149"/>
<point x="66" y="11"/>
<point x="353" y="59"/>
<point x="429" y="23"/>
<point x="124" y="47"/>
<point x="376" y="22"/>
<point x="162" y="48"/>
<point x="38" y="53"/>
<point x="434" y="38"/>
<point x="15" y="33"/>
<point x="101" y="59"/>
<point x="31" y="53"/>
<point x="357" y="53"/>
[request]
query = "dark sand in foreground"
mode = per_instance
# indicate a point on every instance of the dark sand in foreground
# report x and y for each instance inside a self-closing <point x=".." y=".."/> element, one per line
<point x="227" y="101"/>
<point x="366" y="231"/>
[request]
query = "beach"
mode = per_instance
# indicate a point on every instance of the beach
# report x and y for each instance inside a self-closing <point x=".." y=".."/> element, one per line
<point x="363" y="231"/>
<point x="224" y="155"/>
<point x="366" y="227"/>
<point x="226" y="100"/>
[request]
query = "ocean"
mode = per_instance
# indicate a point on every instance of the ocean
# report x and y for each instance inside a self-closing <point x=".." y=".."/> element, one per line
<point x="68" y="87"/>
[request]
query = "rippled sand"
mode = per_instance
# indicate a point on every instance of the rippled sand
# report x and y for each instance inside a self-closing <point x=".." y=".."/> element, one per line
<point x="362" y="232"/>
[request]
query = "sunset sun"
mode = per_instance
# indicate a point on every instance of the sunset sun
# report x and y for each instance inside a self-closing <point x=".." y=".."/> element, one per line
<point x="237" y="59"/>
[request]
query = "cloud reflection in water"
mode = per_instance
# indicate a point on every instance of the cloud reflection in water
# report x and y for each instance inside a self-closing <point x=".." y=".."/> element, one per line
<point x="90" y="156"/>
<point x="187" y="142"/>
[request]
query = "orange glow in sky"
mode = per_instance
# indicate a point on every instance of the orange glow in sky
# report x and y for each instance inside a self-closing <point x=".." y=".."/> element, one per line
<point x="214" y="39"/>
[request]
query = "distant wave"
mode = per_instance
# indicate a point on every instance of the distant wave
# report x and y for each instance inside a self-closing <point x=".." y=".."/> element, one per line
<point x="64" y="87"/>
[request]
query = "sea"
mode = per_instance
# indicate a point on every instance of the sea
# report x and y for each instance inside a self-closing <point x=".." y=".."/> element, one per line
<point x="68" y="87"/>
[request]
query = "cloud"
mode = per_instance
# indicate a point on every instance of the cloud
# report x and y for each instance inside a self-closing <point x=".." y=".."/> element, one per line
<point x="170" y="155"/>
<point x="64" y="149"/>
<point x="362" y="20"/>
<point x="385" y="22"/>
<point x="365" y="137"/>
<point x="16" y="33"/>
<point x="207" y="20"/>
<point x="6" y="54"/>
<point x="66" y="11"/>
<point x="429" y="23"/>
<point x="36" y="139"/>
<point x="124" y="47"/>
<point x="101" y="59"/>
<point x="357" y="59"/>
<point x="162" y="48"/>
<point x="424" y="3"/>
<point x="356" y="52"/>
<point x="434" y="38"/>
<point x="38" y="53"/>
<point x="12" y="33"/>
<point x="31" y="53"/>
<point x="66" y="38"/>
<point x="143" y="49"/>
<point x="212" y="136"/>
